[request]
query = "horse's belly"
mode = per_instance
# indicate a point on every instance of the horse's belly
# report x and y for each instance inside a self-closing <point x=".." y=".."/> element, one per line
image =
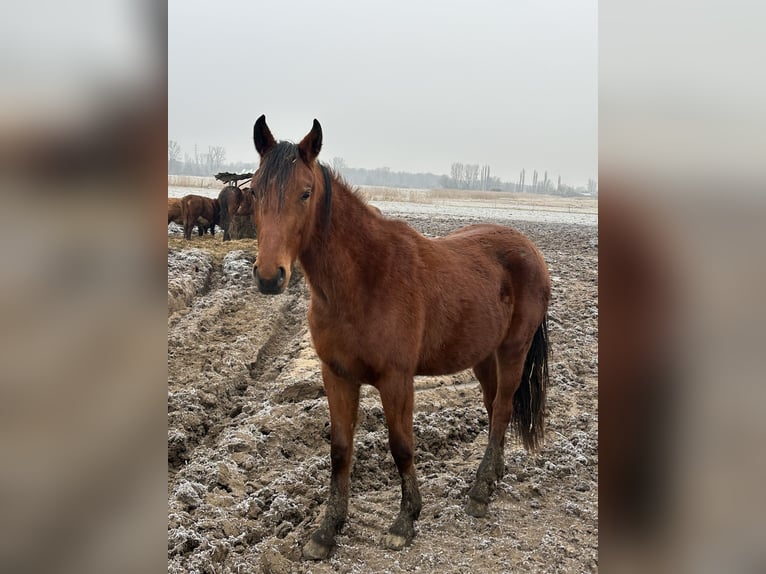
<point x="462" y="346"/>
<point x="436" y="368"/>
<point x="454" y="360"/>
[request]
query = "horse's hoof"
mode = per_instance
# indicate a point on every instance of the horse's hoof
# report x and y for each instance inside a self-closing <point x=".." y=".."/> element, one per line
<point x="476" y="508"/>
<point x="315" y="551"/>
<point x="394" y="541"/>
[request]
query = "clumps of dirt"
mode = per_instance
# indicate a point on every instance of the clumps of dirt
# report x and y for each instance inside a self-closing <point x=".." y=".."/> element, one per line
<point x="237" y="269"/>
<point x="439" y="434"/>
<point x="189" y="274"/>
<point x="248" y="434"/>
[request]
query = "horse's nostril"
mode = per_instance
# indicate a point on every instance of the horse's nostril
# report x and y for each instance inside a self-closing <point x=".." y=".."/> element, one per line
<point x="282" y="275"/>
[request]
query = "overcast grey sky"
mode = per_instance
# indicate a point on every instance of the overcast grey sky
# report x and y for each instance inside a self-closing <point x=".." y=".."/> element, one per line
<point x="409" y="85"/>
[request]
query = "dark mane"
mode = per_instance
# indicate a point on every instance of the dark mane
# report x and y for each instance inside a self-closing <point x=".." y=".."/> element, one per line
<point x="275" y="169"/>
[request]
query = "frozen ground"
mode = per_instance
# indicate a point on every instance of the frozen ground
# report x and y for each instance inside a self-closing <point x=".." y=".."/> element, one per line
<point x="248" y="443"/>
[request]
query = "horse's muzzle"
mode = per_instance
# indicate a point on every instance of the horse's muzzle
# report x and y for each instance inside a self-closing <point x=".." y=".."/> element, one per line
<point x="271" y="285"/>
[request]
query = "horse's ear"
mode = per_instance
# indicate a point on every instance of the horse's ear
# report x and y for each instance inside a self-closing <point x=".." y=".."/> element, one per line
<point x="262" y="137"/>
<point x="311" y="144"/>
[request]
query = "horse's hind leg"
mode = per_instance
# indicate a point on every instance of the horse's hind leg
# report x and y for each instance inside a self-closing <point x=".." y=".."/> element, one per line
<point x="343" y="399"/>
<point x="509" y="364"/>
<point x="397" y="395"/>
<point x="486" y="373"/>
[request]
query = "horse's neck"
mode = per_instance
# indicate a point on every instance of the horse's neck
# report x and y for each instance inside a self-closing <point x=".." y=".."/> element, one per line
<point x="335" y="261"/>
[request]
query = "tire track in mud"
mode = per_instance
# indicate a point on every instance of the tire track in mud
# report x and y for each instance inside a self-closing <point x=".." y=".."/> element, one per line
<point x="253" y="485"/>
<point x="286" y="327"/>
<point x="219" y="345"/>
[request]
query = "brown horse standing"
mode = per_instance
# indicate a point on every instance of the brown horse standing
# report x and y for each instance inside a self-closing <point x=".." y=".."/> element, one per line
<point x="200" y="211"/>
<point x="476" y="298"/>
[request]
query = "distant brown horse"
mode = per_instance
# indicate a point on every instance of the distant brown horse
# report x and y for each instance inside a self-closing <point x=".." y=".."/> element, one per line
<point x="229" y="199"/>
<point x="388" y="304"/>
<point x="174" y="210"/>
<point x="200" y="211"/>
<point x="236" y="213"/>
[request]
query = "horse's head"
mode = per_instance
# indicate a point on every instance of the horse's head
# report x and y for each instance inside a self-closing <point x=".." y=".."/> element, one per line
<point x="284" y="203"/>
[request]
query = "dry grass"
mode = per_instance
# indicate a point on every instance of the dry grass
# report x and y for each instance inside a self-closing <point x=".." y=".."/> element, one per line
<point x="208" y="182"/>
<point x="213" y="245"/>
<point x="497" y="198"/>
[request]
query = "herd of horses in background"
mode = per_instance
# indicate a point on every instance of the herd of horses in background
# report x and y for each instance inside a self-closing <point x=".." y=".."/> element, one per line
<point x="231" y="211"/>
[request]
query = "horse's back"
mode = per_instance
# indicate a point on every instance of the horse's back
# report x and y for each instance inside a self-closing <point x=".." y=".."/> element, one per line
<point x="489" y="235"/>
<point x="506" y="247"/>
<point x="229" y="199"/>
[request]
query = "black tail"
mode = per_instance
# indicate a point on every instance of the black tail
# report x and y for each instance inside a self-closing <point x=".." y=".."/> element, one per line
<point x="529" y="399"/>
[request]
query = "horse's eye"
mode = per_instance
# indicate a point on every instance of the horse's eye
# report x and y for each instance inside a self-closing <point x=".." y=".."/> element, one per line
<point x="306" y="195"/>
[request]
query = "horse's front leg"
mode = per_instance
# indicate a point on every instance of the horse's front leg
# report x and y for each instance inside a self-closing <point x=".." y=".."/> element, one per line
<point x="343" y="399"/>
<point x="398" y="396"/>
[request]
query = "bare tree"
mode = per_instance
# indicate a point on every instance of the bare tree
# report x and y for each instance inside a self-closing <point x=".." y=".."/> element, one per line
<point x="456" y="173"/>
<point x="216" y="155"/>
<point x="338" y="164"/>
<point x="470" y="175"/>
<point x="174" y="150"/>
<point x="484" y="177"/>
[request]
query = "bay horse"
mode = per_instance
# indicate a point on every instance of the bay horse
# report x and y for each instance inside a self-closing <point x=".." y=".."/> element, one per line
<point x="388" y="304"/>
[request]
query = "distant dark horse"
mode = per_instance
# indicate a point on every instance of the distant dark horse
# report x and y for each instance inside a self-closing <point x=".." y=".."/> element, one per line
<point x="388" y="304"/>
<point x="236" y="213"/>
<point x="229" y="199"/>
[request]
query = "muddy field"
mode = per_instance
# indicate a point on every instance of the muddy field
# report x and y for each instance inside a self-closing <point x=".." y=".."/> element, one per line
<point x="248" y="431"/>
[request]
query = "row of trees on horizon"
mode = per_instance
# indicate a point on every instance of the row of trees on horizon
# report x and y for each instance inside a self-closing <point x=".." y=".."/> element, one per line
<point x="462" y="175"/>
